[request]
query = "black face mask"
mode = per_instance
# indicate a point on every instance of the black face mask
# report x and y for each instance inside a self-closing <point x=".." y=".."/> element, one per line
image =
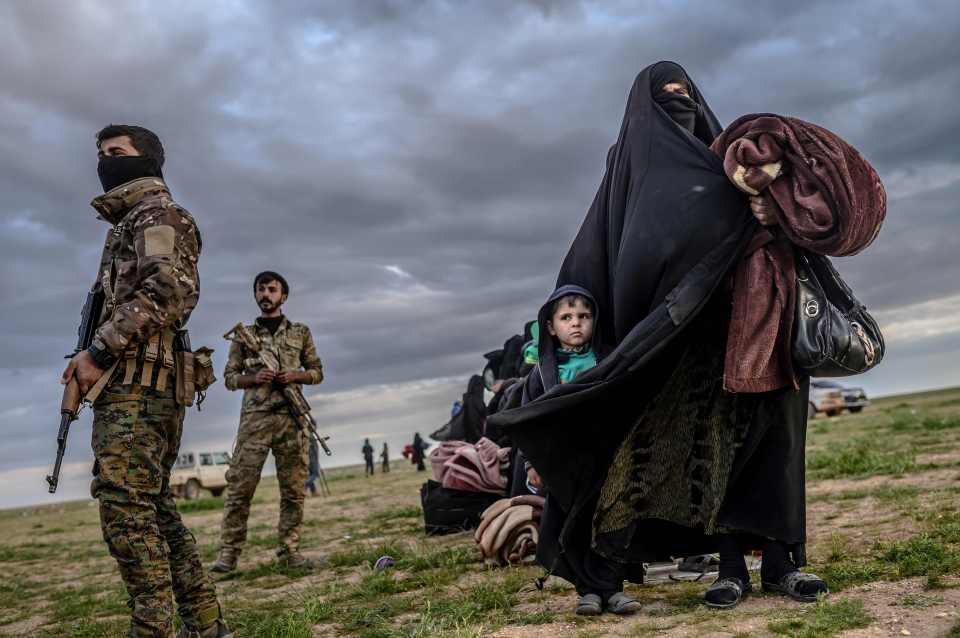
<point x="680" y="108"/>
<point x="114" y="171"/>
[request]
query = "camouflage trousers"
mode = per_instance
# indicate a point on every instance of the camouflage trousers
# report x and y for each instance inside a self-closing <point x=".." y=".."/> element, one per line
<point x="261" y="432"/>
<point x="136" y="439"/>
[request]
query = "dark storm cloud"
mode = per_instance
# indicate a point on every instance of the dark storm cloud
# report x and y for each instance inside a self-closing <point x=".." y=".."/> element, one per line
<point x="417" y="169"/>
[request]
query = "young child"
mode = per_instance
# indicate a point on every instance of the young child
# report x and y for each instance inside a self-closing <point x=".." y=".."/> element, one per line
<point x="564" y="350"/>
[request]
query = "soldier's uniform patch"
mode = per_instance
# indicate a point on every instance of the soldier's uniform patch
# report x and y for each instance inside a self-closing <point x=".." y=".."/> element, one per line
<point x="158" y="240"/>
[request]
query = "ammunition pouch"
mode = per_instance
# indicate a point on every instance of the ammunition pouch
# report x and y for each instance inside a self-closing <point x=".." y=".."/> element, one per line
<point x="194" y="375"/>
<point x="153" y="359"/>
<point x="168" y="353"/>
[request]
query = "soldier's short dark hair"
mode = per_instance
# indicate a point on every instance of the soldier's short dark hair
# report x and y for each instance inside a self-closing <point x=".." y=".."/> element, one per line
<point x="144" y="140"/>
<point x="268" y="276"/>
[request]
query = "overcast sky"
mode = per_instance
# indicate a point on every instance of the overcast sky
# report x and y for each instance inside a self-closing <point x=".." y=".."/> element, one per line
<point x="417" y="171"/>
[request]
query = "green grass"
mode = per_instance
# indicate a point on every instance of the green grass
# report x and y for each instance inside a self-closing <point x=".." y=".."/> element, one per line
<point x="89" y="628"/>
<point x="269" y="569"/>
<point x="954" y="631"/>
<point x="394" y="514"/>
<point x="364" y="555"/>
<point x="937" y="423"/>
<point x="822" y="619"/>
<point x="920" y="601"/>
<point x="21" y="553"/>
<point x="200" y="504"/>
<point x="274" y="621"/>
<point x="87" y="601"/>
<point x="860" y="458"/>
<point x="933" y="553"/>
<point x="439" y="587"/>
<point x="900" y="495"/>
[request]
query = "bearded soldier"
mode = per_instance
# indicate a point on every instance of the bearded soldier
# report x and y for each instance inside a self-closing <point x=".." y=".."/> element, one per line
<point x="266" y="424"/>
<point x="149" y="282"/>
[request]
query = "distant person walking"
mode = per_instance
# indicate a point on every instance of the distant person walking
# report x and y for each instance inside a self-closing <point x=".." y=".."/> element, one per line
<point x="419" y="447"/>
<point x="368" y="457"/>
<point x="385" y="459"/>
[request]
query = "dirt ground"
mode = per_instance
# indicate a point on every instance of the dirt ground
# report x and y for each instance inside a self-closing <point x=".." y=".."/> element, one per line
<point x="883" y="525"/>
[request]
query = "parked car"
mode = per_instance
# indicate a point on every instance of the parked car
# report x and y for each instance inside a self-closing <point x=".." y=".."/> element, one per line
<point x="854" y="399"/>
<point x="828" y="400"/>
<point x="194" y="471"/>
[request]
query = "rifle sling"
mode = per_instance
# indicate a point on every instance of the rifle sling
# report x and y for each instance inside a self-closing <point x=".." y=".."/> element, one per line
<point x="94" y="392"/>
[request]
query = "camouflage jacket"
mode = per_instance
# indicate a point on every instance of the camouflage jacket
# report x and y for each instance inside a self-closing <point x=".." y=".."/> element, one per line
<point x="294" y="346"/>
<point x="148" y="270"/>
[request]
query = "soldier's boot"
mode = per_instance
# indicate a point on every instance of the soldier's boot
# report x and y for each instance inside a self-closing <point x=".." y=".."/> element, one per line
<point x="226" y="561"/>
<point x="294" y="560"/>
<point x="216" y="630"/>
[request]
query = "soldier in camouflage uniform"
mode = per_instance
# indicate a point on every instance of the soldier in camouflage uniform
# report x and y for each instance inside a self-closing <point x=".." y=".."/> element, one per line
<point x="148" y="275"/>
<point x="266" y="424"/>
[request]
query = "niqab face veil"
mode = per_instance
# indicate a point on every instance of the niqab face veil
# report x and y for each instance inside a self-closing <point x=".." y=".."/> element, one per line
<point x="682" y="109"/>
<point x="646" y="226"/>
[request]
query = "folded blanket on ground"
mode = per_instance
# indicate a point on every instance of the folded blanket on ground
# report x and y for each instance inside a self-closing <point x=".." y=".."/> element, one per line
<point x="829" y="200"/>
<point x="509" y="530"/>
<point x="479" y="467"/>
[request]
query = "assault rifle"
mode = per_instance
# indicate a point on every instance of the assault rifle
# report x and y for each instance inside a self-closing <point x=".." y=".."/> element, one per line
<point x="296" y="403"/>
<point x="70" y="404"/>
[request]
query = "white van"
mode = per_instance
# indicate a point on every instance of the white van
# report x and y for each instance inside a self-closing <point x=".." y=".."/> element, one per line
<point x="194" y="471"/>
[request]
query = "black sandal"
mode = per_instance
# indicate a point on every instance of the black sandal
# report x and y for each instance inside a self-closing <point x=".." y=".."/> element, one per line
<point x="798" y="586"/>
<point x="726" y="593"/>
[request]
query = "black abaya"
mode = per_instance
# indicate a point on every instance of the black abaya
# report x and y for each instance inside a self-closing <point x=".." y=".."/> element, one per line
<point x="664" y="230"/>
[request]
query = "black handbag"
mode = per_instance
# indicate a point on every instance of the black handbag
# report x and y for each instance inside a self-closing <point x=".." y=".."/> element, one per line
<point x="834" y="335"/>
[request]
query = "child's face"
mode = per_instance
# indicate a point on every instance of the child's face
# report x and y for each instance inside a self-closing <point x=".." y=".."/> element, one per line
<point x="572" y="323"/>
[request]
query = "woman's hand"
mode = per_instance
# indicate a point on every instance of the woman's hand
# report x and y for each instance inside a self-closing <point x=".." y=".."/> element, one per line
<point x="764" y="210"/>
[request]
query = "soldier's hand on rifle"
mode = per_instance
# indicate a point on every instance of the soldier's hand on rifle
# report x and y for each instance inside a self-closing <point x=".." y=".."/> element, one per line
<point x="293" y="376"/>
<point x="265" y="376"/>
<point x="84" y="369"/>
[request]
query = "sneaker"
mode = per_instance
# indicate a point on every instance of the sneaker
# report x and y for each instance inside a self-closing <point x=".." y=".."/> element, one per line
<point x="798" y="585"/>
<point x="226" y="561"/>
<point x="726" y="593"/>
<point x="622" y="605"/>
<point x="589" y="605"/>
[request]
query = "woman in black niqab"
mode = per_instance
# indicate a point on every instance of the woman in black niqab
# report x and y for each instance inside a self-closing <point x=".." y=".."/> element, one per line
<point x="664" y="229"/>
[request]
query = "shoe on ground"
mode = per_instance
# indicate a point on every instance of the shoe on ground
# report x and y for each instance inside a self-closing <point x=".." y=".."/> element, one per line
<point x="295" y="560"/>
<point x="216" y="630"/>
<point x="622" y="604"/>
<point x="589" y="605"/>
<point x="798" y="585"/>
<point x="726" y="593"/>
<point x="226" y="561"/>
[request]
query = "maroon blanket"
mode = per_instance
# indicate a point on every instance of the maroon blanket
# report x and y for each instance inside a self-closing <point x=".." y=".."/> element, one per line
<point x="474" y="467"/>
<point x="829" y="200"/>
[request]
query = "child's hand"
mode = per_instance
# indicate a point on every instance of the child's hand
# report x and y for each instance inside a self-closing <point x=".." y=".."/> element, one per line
<point x="534" y="479"/>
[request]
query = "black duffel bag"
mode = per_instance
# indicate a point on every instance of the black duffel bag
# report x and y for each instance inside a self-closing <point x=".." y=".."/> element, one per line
<point x="834" y="335"/>
<point x="447" y="511"/>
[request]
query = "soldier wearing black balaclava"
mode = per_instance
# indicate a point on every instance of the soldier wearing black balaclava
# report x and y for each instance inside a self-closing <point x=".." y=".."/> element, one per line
<point x="149" y="282"/>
